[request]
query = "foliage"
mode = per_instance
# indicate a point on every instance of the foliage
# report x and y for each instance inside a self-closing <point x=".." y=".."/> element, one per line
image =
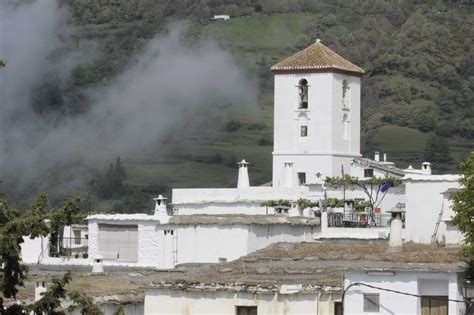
<point x="2" y="63"/>
<point x="110" y="184"/>
<point x="437" y="150"/>
<point x="333" y="203"/>
<point x="375" y="187"/>
<point x="463" y="206"/>
<point x="50" y="302"/>
<point x="306" y="203"/>
<point x="417" y="56"/>
<point x="232" y="125"/>
<point x="275" y="203"/>
<point x="14" y="227"/>
<point x="84" y="304"/>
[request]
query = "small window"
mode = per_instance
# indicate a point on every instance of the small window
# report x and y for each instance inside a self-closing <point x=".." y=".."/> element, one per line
<point x="369" y="172"/>
<point x="77" y="237"/>
<point x="246" y="310"/>
<point x="371" y="302"/>
<point x="304" y="131"/>
<point x="434" y="305"/>
<point x="345" y="127"/>
<point x="303" y="94"/>
<point x="302" y="178"/>
<point x="345" y="94"/>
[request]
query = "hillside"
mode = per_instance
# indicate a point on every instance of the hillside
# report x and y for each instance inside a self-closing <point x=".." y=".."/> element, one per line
<point x="419" y="83"/>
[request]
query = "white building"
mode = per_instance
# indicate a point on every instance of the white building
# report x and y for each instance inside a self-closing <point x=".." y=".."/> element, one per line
<point x="310" y="278"/>
<point x="317" y="114"/>
<point x="164" y="241"/>
<point x="317" y="134"/>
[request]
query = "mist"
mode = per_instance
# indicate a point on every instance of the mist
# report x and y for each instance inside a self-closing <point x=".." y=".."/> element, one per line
<point x="166" y="86"/>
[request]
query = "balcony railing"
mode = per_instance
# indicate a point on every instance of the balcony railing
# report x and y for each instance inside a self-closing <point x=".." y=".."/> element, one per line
<point x="358" y="220"/>
<point x="73" y="247"/>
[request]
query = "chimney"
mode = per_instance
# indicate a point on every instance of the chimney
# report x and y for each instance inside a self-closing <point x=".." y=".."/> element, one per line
<point x="396" y="225"/>
<point x="377" y="156"/>
<point x="160" y="209"/>
<point x="97" y="265"/>
<point x="385" y="157"/>
<point x="426" y="168"/>
<point x="243" y="179"/>
<point x="40" y="289"/>
<point x="288" y="179"/>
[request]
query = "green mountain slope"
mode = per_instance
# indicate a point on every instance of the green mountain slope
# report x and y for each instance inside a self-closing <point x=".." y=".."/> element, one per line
<point x="418" y="56"/>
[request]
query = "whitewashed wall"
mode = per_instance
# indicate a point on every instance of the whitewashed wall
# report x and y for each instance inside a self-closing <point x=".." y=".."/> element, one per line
<point x="324" y="150"/>
<point x="208" y="243"/>
<point x="413" y="282"/>
<point x="222" y="302"/>
<point x="148" y="239"/>
<point x="423" y="204"/>
<point x="261" y="236"/>
<point x="236" y="195"/>
<point x="34" y="250"/>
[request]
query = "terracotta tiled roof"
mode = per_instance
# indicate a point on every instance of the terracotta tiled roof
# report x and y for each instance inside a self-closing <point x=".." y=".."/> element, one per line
<point x="316" y="57"/>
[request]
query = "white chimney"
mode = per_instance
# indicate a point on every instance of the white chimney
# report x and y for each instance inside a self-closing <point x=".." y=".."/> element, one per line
<point x="97" y="265"/>
<point x="377" y="156"/>
<point x="288" y="179"/>
<point x="160" y="209"/>
<point x="243" y="179"/>
<point x="396" y="225"/>
<point x="385" y="157"/>
<point x="426" y="168"/>
<point x="40" y="289"/>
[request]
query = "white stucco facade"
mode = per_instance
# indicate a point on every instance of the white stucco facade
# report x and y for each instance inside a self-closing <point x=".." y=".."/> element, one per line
<point x="166" y="245"/>
<point x="424" y="201"/>
<point x="182" y="302"/>
<point x="424" y="283"/>
<point x="333" y="130"/>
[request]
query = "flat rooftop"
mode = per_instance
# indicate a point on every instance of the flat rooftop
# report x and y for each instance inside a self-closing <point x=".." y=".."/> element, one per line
<point x="315" y="266"/>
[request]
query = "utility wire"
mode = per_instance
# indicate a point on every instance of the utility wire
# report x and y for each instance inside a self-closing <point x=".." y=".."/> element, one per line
<point x="399" y="292"/>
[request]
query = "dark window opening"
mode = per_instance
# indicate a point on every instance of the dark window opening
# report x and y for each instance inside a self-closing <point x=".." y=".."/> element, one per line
<point x="302" y="178"/>
<point x="246" y="310"/>
<point x="304" y="131"/>
<point x="369" y="172"/>
<point x="303" y="94"/>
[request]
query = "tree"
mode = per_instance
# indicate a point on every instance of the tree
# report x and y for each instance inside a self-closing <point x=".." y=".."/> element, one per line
<point x="375" y="188"/>
<point x="463" y="206"/>
<point x="14" y="227"/>
<point x="437" y="150"/>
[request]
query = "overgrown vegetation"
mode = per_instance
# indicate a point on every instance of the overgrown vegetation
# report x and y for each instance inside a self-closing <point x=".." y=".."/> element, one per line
<point x="464" y="207"/>
<point x="14" y="227"/>
<point x="418" y="85"/>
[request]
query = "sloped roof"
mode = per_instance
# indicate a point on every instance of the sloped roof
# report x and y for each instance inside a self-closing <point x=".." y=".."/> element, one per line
<point x="317" y="57"/>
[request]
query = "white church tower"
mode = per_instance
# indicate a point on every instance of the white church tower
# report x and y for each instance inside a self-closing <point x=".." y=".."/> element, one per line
<point x="317" y="115"/>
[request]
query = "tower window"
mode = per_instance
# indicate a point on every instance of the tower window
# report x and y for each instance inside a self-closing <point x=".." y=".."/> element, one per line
<point x="302" y="178"/>
<point x="345" y="94"/>
<point x="304" y="131"/>
<point x="345" y="127"/>
<point x="303" y="94"/>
